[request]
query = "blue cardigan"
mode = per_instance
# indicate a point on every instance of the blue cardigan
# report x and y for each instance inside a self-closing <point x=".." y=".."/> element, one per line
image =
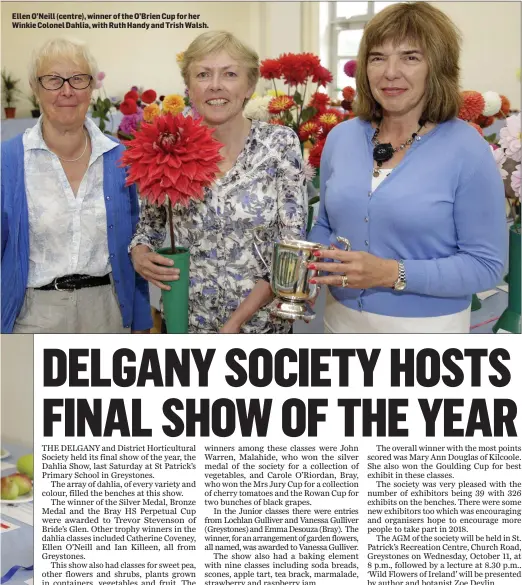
<point x="122" y="216"/>
<point x="441" y="210"/>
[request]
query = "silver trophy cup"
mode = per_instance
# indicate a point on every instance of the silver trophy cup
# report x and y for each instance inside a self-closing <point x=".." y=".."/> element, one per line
<point x="290" y="276"/>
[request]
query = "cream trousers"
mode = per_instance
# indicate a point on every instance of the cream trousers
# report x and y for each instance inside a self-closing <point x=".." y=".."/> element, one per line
<point x="88" y="310"/>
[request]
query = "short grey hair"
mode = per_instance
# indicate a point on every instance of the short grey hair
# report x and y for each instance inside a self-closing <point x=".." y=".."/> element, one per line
<point x="211" y="42"/>
<point x="61" y="48"/>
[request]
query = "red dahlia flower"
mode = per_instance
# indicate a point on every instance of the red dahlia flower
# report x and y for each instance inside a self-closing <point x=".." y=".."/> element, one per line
<point x="291" y="69"/>
<point x="270" y="69"/>
<point x="309" y="63"/>
<point x="319" y="101"/>
<point x="276" y="122"/>
<point x="316" y="151"/>
<point x="148" y="96"/>
<point x="173" y="157"/>
<point x="485" y="121"/>
<point x="472" y="106"/>
<point x="281" y="103"/>
<point x="132" y="95"/>
<point x="328" y="120"/>
<point x="348" y="93"/>
<point x="128" y="106"/>
<point x="322" y="76"/>
<point x="307" y="130"/>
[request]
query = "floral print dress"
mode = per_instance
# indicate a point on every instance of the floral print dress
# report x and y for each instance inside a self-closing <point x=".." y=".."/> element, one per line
<point x="265" y="191"/>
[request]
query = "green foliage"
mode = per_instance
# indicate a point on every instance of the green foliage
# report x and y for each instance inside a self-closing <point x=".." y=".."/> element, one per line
<point x="491" y="138"/>
<point x="10" y="90"/>
<point x="100" y="109"/>
<point x="34" y="101"/>
<point x="307" y="114"/>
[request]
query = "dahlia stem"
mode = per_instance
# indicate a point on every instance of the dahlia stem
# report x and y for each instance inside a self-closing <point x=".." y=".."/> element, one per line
<point x="301" y="107"/>
<point x="171" y="228"/>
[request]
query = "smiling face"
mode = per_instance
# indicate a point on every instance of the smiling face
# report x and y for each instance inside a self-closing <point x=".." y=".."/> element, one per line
<point x="397" y="76"/>
<point x="218" y="86"/>
<point x="65" y="107"/>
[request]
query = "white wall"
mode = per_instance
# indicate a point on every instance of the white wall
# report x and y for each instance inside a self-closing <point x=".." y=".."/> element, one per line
<point x="491" y="45"/>
<point x="128" y="57"/>
<point x="17" y="389"/>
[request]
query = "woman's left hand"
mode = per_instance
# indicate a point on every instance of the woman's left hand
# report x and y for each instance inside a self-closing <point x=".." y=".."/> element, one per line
<point x="230" y="327"/>
<point x="360" y="269"/>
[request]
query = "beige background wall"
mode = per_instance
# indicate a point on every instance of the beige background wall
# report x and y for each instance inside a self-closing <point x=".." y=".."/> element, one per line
<point x="148" y="58"/>
<point x="491" y="32"/>
<point x="491" y="47"/>
<point x="17" y="389"/>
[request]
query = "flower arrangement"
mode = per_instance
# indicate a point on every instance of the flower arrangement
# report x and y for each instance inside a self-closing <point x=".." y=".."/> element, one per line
<point x="481" y="110"/>
<point x="171" y="158"/>
<point x="507" y="153"/>
<point x="310" y="117"/>
<point x="144" y="105"/>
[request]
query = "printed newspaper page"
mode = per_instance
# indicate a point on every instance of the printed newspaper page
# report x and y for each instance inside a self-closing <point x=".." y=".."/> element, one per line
<point x="214" y="461"/>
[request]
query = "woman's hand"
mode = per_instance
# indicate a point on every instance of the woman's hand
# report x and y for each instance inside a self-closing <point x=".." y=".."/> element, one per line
<point x="153" y="267"/>
<point x="361" y="269"/>
<point x="230" y="327"/>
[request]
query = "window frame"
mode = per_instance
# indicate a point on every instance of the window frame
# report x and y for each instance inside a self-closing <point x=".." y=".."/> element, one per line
<point x="336" y="25"/>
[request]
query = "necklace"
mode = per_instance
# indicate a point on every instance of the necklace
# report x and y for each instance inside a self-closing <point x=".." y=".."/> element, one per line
<point x="75" y="159"/>
<point x="384" y="152"/>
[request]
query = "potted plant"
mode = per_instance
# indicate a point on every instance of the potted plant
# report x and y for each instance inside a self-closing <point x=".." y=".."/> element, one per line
<point x="35" y="111"/>
<point x="10" y="92"/>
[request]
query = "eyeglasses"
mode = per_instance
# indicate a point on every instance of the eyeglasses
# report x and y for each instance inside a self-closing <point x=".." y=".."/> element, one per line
<point x="54" y="82"/>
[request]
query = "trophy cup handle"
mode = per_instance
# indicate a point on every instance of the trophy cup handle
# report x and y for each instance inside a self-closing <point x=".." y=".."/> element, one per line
<point x="256" y="237"/>
<point x="346" y="242"/>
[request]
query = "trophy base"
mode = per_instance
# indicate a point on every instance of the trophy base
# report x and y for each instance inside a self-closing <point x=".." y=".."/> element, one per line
<point x="291" y="310"/>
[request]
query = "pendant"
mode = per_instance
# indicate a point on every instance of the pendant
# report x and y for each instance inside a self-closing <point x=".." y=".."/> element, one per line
<point x="383" y="152"/>
<point x="375" y="173"/>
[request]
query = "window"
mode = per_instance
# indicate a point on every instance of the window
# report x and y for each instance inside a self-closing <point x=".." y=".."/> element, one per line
<point x="345" y="22"/>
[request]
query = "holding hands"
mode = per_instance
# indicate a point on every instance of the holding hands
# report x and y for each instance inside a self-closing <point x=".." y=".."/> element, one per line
<point x="354" y="269"/>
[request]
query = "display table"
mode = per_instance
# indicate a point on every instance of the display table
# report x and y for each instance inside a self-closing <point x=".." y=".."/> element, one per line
<point x="17" y="545"/>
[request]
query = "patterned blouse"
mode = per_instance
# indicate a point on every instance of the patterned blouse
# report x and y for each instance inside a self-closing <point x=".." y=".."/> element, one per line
<point x="264" y="190"/>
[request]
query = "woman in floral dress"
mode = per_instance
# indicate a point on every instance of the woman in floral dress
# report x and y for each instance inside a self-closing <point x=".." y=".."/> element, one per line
<point x="261" y="187"/>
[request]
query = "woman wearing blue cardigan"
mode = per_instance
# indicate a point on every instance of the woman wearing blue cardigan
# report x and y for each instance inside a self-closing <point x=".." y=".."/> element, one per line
<point x="414" y="189"/>
<point x="67" y="217"/>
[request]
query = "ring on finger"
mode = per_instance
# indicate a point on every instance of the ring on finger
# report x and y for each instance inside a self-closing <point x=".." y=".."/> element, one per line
<point x="344" y="281"/>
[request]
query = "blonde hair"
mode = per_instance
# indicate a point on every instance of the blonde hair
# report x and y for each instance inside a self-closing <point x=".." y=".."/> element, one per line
<point x="56" y="49"/>
<point x="215" y="41"/>
<point x="439" y="39"/>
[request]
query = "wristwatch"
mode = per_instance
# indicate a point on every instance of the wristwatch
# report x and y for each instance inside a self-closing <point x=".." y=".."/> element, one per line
<point x="400" y="283"/>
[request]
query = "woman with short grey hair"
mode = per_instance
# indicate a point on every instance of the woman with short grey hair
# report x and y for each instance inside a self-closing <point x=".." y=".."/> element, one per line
<point x="67" y="217"/>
